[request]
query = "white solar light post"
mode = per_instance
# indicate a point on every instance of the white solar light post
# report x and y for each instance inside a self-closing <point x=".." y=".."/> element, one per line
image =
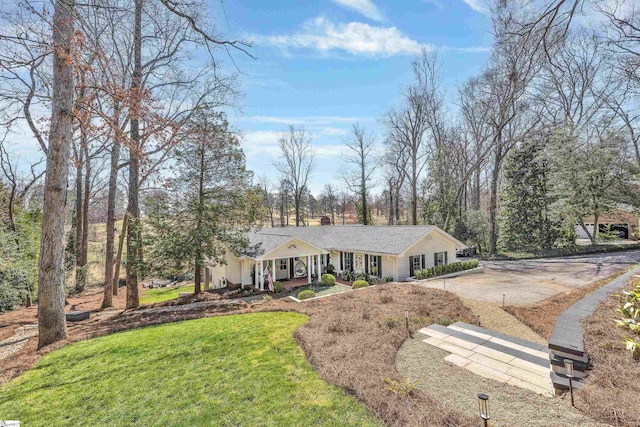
<point x="483" y="406"/>
<point x="568" y="371"/>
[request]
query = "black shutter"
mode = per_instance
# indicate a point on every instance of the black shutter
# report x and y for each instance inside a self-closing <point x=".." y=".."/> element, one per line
<point x="446" y="261"/>
<point x="411" y="267"/>
<point x="366" y="264"/>
<point x="341" y="261"/>
<point x="423" y="260"/>
<point x="291" y="262"/>
<point x="379" y="263"/>
<point x="351" y="261"/>
<point x="435" y="259"/>
<point x="328" y="260"/>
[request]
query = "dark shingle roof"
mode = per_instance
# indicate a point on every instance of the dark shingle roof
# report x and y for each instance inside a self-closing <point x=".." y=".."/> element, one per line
<point x="390" y="240"/>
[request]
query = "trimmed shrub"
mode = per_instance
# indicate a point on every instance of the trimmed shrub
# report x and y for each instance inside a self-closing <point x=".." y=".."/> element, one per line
<point x="388" y="279"/>
<point x="278" y="287"/>
<point x="306" y="294"/>
<point x="328" y="280"/>
<point x="331" y="269"/>
<point x="359" y="284"/>
<point x="439" y="270"/>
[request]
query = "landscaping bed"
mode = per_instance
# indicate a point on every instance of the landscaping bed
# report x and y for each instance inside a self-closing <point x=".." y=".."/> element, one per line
<point x="541" y="317"/>
<point x="611" y="391"/>
<point x="351" y="339"/>
<point x="318" y="290"/>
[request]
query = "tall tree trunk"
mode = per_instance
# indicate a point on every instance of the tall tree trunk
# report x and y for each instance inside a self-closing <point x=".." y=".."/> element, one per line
<point x="493" y="203"/>
<point x="594" y="235"/>
<point x="198" y="255"/>
<point x="118" y="261"/>
<point x="107" y="300"/>
<point x="133" y="229"/>
<point x="78" y="218"/>
<point x="52" y="325"/>
<point x="297" y="203"/>
<point x="85" y="219"/>
<point x="391" y="201"/>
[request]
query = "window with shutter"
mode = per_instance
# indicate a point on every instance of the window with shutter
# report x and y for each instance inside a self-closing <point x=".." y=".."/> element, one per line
<point x="411" y="271"/>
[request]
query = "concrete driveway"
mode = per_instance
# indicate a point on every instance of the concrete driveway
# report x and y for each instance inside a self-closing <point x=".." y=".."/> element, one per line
<point x="531" y="281"/>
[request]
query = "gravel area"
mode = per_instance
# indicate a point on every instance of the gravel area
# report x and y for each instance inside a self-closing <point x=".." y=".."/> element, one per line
<point x="458" y="388"/>
<point x="494" y="317"/>
<point x="18" y="340"/>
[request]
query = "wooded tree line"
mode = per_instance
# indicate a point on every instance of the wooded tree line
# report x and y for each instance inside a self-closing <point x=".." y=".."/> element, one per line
<point x="520" y="154"/>
<point x="125" y="97"/>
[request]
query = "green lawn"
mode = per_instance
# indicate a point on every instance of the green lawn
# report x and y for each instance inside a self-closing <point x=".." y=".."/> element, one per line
<point x="225" y="371"/>
<point x="151" y="296"/>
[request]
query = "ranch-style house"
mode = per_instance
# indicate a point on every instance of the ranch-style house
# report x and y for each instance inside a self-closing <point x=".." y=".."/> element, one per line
<point x="296" y="252"/>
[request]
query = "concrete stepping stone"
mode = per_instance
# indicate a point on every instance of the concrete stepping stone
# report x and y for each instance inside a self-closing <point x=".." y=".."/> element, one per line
<point x="486" y="372"/>
<point x="493" y="355"/>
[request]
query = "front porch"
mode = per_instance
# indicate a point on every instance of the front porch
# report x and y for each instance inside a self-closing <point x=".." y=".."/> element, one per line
<point x="292" y="272"/>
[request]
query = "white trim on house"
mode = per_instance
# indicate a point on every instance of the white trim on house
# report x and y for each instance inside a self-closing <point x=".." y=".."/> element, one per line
<point x="440" y="232"/>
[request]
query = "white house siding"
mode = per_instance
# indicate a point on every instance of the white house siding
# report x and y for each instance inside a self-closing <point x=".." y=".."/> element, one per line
<point x="293" y="248"/>
<point x="389" y="267"/>
<point x="232" y="271"/>
<point x="428" y="245"/>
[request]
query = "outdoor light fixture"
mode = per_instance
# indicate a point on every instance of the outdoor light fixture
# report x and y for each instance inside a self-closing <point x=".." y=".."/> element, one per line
<point x="568" y="372"/>
<point x="478" y="317"/>
<point x="483" y="406"/>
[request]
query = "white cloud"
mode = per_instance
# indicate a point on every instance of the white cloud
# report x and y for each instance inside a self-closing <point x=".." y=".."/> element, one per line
<point x="478" y="5"/>
<point x="363" y="7"/>
<point x="356" y="38"/>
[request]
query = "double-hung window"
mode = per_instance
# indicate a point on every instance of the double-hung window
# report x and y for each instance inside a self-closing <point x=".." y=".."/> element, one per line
<point x="440" y="258"/>
<point x="283" y="263"/>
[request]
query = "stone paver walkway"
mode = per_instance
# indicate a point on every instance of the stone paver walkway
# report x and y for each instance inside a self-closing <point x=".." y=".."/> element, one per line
<point x="494" y="355"/>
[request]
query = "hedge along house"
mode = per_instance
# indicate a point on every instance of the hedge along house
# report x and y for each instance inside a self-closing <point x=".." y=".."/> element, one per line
<point x="291" y="253"/>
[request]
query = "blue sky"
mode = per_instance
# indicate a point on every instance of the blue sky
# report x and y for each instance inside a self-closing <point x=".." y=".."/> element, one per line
<point x="327" y="64"/>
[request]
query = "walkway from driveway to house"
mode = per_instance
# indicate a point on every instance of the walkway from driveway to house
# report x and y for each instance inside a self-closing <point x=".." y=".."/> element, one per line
<point x="493" y="355"/>
<point x="531" y="281"/>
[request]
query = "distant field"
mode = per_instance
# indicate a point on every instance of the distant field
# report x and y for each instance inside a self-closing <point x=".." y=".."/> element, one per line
<point x="151" y="296"/>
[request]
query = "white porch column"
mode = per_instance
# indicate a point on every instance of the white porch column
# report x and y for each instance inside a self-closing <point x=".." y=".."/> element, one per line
<point x="309" y="269"/>
<point x="242" y="280"/>
<point x="319" y="266"/>
<point x="262" y="275"/>
<point x="273" y="269"/>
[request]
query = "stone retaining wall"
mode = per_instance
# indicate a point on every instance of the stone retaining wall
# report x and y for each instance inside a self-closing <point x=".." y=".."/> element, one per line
<point x="566" y="339"/>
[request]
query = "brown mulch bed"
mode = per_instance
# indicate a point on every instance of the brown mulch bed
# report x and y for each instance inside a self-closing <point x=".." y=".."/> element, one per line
<point x="541" y="317"/>
<point x="612" y="389"/>
<point x="351" y="339"/>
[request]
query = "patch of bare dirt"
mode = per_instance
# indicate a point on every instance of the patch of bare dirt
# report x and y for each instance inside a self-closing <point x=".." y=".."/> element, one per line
<point x="351" y="339"/>
<point x="612" y="389"/>
<point x="541" y="317"/>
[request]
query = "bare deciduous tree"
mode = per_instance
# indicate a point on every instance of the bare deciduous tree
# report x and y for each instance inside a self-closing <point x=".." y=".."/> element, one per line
<point x="298" y="163"/>
<point x="363" y="162"/>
